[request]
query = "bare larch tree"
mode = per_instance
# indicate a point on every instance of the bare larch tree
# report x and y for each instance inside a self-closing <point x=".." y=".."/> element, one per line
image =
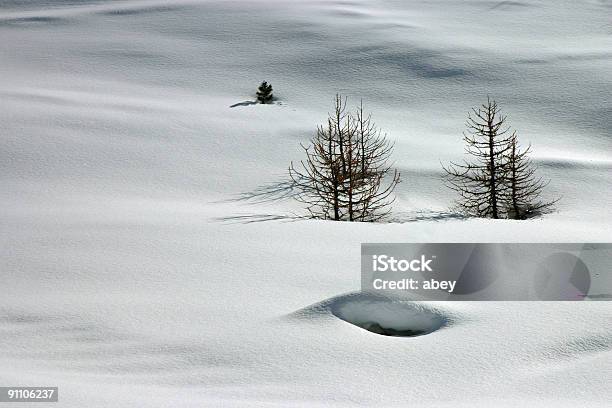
<point x="524" y="188"/>
<point x="344" y="175"/>
<point x="481" y="183"/>
<point x="374" y="182"/>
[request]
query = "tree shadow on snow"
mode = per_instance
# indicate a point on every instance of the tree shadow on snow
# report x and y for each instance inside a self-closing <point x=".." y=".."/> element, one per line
<point x="286" y="189"/>
<point x="265" y="194"/>
<point x="426" y="215"/>
<point x="243" y="103"/>
<point x="250" y="103"/>
<point x="254" y="218"/>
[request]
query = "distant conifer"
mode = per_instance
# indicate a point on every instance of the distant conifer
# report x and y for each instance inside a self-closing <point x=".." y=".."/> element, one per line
<point x="264" y="93"/>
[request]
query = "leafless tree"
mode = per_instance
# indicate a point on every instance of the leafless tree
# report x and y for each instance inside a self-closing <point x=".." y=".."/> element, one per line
<point x="480" y="183"/>
<point x="346" y="175"/>
<point x="524" y="188"/>
<point x="375" y="181"/>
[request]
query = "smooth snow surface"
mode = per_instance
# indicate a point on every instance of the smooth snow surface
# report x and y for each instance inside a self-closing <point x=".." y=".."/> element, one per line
<point x="150" y="256"/>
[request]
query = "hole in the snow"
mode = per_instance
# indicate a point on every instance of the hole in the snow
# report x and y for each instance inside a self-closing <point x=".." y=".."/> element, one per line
<point x="390" y="331"/>
<point x="388" y="317"/>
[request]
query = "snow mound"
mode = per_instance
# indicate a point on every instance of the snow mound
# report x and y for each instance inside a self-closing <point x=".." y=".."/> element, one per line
<point x="381" y="315"/>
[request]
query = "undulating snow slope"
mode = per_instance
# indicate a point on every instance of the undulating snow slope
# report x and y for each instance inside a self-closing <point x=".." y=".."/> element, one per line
<point x="147" y="257"/>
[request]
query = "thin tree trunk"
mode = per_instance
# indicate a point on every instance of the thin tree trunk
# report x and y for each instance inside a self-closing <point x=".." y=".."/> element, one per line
<point x="493" y="169"/>
<point x="515" y="206"/>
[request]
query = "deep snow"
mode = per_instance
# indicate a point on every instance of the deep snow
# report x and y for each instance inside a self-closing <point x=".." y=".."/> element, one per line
<point x="145" y="258"/>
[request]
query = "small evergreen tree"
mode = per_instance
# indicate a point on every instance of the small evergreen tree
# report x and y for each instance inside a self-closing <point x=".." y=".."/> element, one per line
<point x="523" y="186"/>
<point x="264" y="93"/>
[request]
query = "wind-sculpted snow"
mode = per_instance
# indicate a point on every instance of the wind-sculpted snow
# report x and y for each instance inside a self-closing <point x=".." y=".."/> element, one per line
<point x="152" y="254"/>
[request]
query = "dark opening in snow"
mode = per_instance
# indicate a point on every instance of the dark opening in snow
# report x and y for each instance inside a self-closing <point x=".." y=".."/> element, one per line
<point x="390" y="331"/>
<point x="379" y="314"/>
<point x="388" y="317"/>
